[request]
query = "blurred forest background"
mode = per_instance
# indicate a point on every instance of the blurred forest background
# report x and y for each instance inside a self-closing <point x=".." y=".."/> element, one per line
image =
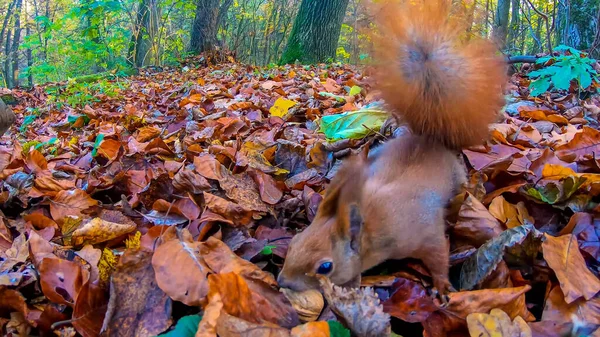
<point x="53" y="40"/>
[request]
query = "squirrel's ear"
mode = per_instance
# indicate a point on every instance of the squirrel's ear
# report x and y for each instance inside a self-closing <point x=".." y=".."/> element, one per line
<point x="355" y="227"/>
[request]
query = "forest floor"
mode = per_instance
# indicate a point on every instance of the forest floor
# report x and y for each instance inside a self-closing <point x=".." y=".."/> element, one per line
<point x="122" y="201"/>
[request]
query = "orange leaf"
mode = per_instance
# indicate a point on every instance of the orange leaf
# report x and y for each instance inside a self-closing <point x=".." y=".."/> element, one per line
<point x="563" y="256"/>
<point x="71" y="202"/>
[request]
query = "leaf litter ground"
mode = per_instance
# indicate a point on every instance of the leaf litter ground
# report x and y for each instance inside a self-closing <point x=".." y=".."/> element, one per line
<point x="178" y="193"/>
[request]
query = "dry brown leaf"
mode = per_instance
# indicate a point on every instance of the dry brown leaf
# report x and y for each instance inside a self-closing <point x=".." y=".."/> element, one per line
<point x="137" y="306"/>
<point x="563" y="256"/>
<point x="231" y="211"/>
<point x="99" y="230"/>
<point x="231" y="326"/>
<point x="585" y="143"/>
<point x="358" y="309"/>
<point x="311" y="329"/>
<point x="461" y="304"/>
<point x="222" y="260"/>
<point x="252" y="300"/>
<point x="71" y="202"/>
<point x="90" y="309"/>
<point x="308" y="304"/>
<point x="62" y="280"/>
<point x="509" y="214"/>
<point x="175" y="256"/>
<point x="581" y="311"/>
<point x="475" y="223"/>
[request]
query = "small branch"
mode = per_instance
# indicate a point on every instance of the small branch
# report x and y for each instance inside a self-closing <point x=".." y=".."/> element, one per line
<point x="521" y="59"/>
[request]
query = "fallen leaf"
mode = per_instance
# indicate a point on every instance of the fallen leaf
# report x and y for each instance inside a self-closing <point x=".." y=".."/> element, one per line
<point x="464" y="303"/>
<point x="137" y="306"/>
<point x="71" y="202"/>
<point x="232" y="211"/>
<point x="222" y="260"/>
<point x="581" y="312"/>
<point x="62" y="280"/>
<point x="475" y="223"/>
<point x="359" y="309"/>
<point x="509" y="214"/>
<point x="409" y="301"/>
<point x="98" y="230"/>
<point x="308" y="304"/>
<point x="90" y="309"/>
<point x="497" y="324"/>
<point x="253" y="301"/>
<point x="281" y="107"/>
<point x="170" y="259"/>
<point x="563" y="256"/>
<point x="585" y="143"/>
<point x="481" y="264"/>
<point x="353" y="125"/>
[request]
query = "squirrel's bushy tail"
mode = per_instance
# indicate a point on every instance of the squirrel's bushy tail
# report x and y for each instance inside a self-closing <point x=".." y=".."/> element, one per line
<point x="442" y="84"/>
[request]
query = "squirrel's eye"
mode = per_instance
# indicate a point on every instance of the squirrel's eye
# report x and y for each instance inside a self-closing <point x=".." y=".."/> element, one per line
<point x="325" y="268"/>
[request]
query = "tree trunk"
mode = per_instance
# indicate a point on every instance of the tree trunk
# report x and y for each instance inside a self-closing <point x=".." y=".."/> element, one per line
<point x="316" y="31"/>
<point x="6" y="20"/>
<point x="204" y="28"/>
<point x="7" y="73"/>
<point x="501" y="23"/>
<point x="15" y="45"/>
<point x="141" y="47"/>
<point x="515" y="20"/>
<point x="29" y="55"/>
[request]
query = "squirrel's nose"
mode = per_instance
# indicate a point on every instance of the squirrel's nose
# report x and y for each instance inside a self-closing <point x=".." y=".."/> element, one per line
<point x="282" y="281"/>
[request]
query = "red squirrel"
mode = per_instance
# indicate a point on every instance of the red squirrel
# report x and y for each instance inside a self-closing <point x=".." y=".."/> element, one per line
<point x="447" y="89"/>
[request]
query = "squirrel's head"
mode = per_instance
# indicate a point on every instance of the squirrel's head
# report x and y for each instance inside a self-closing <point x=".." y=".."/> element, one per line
<point x="331" y="245"/>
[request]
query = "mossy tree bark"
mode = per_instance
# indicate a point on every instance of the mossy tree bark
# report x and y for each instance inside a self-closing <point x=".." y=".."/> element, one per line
<point x="316" y="31"/>
<point x="501" y="23"/>
<point x="142" y="49"/>
<point x="204" y="28"/>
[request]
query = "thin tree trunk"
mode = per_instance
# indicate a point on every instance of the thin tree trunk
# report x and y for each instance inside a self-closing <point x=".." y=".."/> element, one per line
<point x="15" y="44"/>
<point x="514" y="24"/>
<point x="141" y="50"/>
<point x="9" y="10"/>
<point x="7" y="73"/>
<point x="316" y="31"/>
<point x="501" y="23"/>
<point x="29" y="55"/>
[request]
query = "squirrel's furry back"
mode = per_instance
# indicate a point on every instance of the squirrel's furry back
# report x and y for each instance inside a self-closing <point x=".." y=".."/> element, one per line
<point x="444" y="85"/>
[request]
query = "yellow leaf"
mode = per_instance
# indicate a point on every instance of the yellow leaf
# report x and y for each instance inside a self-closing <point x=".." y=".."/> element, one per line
<point x="292" y="74"/>
<point x="98" y="230"/>
<point x="69" y="225"/>
<point x="496" y="324"/>
<point x="281" y="107"/>
<point x="557" y="172"/>
<point x="133" y="242"/>
<point x="106" y="265"/>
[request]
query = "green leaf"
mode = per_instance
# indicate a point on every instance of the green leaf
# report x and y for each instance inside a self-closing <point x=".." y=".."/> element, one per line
<point x="268" y="250"/>
<point x="553" y="192"/>
<point x="540" y="86"/>
<point x="338" y="98"/>
<point x="186" y="327"/>
<point x="562" y="78"/>
<point x="74" y="118"/>
<point x="99" y="139"/>
<point x="355" y="90"/>
<point x="336" y="329"/>
<point x="27" y="121"/>
<point x="352" y="125"/>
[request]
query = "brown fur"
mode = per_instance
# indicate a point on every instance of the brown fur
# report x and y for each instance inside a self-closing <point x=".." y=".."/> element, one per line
<point x="448" y="93"/>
